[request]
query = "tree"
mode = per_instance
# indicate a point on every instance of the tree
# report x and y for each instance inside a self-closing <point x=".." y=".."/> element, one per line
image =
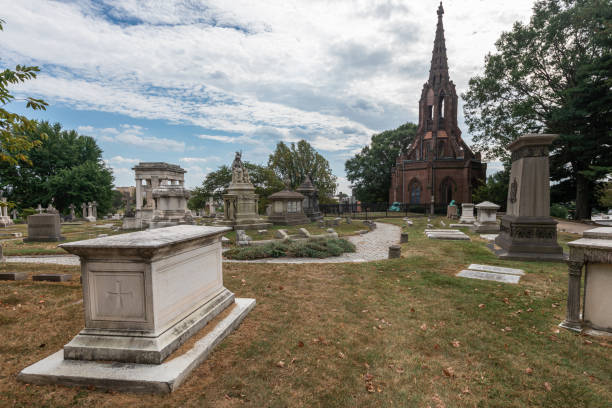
<point x="60" y="154"/>
<point x="551" y="75"/>
<point x="292" y="163"/>
<point x="216" y="183"/>
<point x="14" y="139"/>
<point x="495" y="189"/>
<point x="370" y="170"/>
<point x="605" y="195"/>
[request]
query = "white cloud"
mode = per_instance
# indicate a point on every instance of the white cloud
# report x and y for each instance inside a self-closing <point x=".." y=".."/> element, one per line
<point x="267" y="70"/>
<point x="195" y="159"/>
<point x="122" y="160"/>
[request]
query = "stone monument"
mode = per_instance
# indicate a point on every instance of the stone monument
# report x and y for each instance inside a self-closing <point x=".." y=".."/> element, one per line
<point x="593" y="253"/>
<point x="170" y="206"/>
<point x="72" y="207"/>
<point x="44" y="228"/>
<point x="528" y="232"/>
<point x="145" y="293"/>
<point x="311" y="200"/>
<point x="487" y="218"/>
<point x="158" y="176"/>
<point x="287" y="208"/>
<point x="467" y="213"/>
<point x="241" y="203"/>
<point x="5" y="220"/>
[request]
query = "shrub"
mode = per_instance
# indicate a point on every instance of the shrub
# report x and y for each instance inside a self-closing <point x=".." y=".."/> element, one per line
<point x="558" y="211"/>
<point x="313" y="248"/>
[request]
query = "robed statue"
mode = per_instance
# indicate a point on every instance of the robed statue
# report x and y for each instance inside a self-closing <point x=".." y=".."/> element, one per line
<point x="239" y="173"/>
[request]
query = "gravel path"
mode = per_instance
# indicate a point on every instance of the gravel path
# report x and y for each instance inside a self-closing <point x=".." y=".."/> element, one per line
<point x="372" y="246"/>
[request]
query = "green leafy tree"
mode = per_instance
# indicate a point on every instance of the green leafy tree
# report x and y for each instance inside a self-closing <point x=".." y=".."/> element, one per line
<point x="293" y="162"/>
<point x="370" y="170"/>
<point x="14" y="139"/>
<point x="60" y="153"/>
<point x="605" y="195"/>
<point x="216" y="183"/>
<point x="495" y="189"/>
<point x="551" y="75"/>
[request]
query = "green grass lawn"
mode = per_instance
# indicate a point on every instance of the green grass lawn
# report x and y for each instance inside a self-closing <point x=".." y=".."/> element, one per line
<point x="403" y="332"/>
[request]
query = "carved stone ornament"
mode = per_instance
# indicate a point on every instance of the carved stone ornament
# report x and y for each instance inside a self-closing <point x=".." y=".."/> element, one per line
<point x="513" y="191"/>
<point x="530" y="151"/>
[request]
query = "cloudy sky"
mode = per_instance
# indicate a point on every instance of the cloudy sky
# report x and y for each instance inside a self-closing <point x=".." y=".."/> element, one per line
<point x="191" y="81"/>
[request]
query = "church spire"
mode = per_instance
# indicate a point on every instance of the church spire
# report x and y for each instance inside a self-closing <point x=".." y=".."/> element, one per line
<point x="438" y="73"/>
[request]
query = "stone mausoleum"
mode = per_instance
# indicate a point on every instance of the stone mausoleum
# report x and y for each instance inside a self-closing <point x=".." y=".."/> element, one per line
<point x="287" y="208"/>
<point x="438" y="166"/>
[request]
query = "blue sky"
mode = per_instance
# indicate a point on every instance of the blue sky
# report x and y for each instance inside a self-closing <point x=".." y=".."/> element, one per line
<point x="189" y="82"/>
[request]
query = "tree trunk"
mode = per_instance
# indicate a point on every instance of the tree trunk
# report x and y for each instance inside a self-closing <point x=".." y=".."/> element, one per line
<point x="584" y="197"/>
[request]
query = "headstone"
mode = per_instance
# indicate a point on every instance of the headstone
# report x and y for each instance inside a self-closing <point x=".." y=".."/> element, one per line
<point x="281" y="234"/>
<point x="94" y="206"/>
<point x="44" y="228"/>
<point x="496" y="269"/>
<point x="467" y="213"/>
<point x="39" y="209"/>
<point x="304" y="232"/>
<point x="145" y="293"/>
<point x="1" y="256"/>
<point x="13" y="276"/>
<point x="337" y="221"/>
<point x="446" y="234"/>
<point x="72" y="214"/>
<point x="331" y="231"/>
<point x="395" y="251"/>
<point x="593" y="253"/>
<point x="527" y="231"/>
<point x="84" y="211"/>
<point x="404" y="238"/>
<point x="5" y="220"/>
<point x="52" y="277"/>
<point x="487" y="218"/>
<point x="451" y="211"/>
<point x="348" y="220"/>
<point x="491" y="276"/>
<point x="442" y="223"/>
<point x="14" y="214"/>
<point x="262" y="231"/>
<point x="242" y="238"/>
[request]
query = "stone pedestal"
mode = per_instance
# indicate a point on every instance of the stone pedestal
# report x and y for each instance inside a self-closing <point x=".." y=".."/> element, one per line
<point x="170" y="206"/>
<point x="593" y="253"/>
<point x="5" y="220"/>
<point x="527" y="230"/>
<point x="467" y="214"/>
<point x="240" y="208"/>
<point x="44" y="228"/>
<point x="311" y="200"/>
<point x="486" y="222"/>
<point x="395" y="251"/>
<point x="144" y="294"/>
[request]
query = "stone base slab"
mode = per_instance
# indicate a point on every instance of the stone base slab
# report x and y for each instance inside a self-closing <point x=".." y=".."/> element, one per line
<point x="490" y="276"/>
<point x="45" y="239"/>
<point x="13" y="276"/>
<point x="485" y="228"/>
<point x="52" y="277"/>
<point x="526" y="256"/>
<point x="141" y="378"/>
<point x="98" y="344"/>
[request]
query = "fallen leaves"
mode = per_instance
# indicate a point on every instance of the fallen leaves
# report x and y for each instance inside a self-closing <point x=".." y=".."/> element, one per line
<point x="547" y="386"/>
<point x="424" y="327"/>
<point x="455" y="343"/>
<point x="481" y="306"/>
<point x="449" y="372"/>
<point x="341" y="355"/>
<point x="529" y="370"/>
<point x="280" y="364"/>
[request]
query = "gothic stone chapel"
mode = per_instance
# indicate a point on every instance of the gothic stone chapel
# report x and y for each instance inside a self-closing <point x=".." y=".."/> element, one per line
<point x="438" y="166"/>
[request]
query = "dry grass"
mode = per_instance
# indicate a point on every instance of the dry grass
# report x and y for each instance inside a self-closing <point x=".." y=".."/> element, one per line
<point x="400" y="332"/>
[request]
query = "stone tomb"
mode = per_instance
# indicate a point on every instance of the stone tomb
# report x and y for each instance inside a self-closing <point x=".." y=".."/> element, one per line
<point x="527" y="231"/>
<point x="467" y="213"/>
<point x="450" y="234"/>
<point x="487" y="218"/>
<point x="44" y="228"/>
<point x="593" y="253"/>
<point x="311" y="200"/>
<point x="145" y="293"/>
<point x="287" y="208"/>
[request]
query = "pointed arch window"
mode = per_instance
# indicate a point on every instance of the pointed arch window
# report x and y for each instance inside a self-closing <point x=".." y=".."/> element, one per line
<point x="415" y="192"/>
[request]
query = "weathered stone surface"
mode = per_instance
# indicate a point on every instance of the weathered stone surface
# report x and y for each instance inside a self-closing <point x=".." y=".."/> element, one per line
<point x="527" y="231"/>
<point x="467" y="213"/>
<point x="13" y="276"/>
<point x="142" y="378"/>
<point x="395" y="251"/>
<point x="490" y="276"/>
<point x="304" y="232"/>
<point x="44" y="228"/>
<point x="496" y="269"/>
<point x="404" y="237"/>
<point x="446" y="234"/>
<point x="52" y="277"/>
<point x="281" y="234"/>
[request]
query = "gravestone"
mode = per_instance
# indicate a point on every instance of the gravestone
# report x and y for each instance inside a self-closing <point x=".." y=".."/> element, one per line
<point x="395" y="251"/>
<point x="39" y="209"/>
<point x="311" y="199"/>
<point x="593" y="253"/>
<point x="467" y="213"/>
<point x="242" y="238"/>
<point x="527" y="231"/>
<point x="72" y="214"/>
<point x="487" y="218"/>
<point x="241" y="203"/>
<point x="14" y="214"/>
<point x="404" y="238"/>
<point x="5" y="220"/>
<point x="144" y="294"/>
<point x="44" y="228"/>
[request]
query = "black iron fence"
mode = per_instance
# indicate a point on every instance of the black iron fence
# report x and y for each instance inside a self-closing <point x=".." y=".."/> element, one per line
<point x="379" y="210"/>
